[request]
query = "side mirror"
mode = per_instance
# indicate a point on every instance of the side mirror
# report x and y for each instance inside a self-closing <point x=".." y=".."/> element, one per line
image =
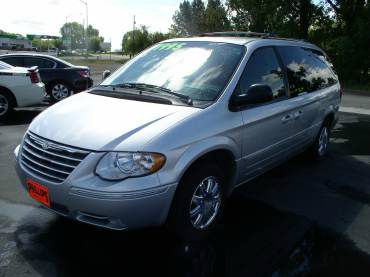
<point x="256" y="94"/>
<point x="106" y="74"/>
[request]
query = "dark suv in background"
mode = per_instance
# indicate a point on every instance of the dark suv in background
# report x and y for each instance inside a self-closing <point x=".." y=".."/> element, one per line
<point x="61" y="78"/>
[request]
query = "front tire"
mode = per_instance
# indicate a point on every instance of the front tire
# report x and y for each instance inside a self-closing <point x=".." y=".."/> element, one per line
<point x="198" y="202"/>
<point x="6" y="105"/>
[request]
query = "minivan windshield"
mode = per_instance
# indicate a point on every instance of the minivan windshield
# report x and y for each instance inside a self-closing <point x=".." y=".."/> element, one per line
<point x="196" y="69"/>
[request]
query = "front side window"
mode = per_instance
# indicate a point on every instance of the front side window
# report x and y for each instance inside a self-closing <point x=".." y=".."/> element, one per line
<point x="307" y="71"/>
<point x="263" y="68"/>
<point x="199" y="70"/>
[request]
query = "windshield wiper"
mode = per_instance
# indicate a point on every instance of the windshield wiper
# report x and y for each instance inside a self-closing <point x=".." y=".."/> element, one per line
<point x="153" y="88"/>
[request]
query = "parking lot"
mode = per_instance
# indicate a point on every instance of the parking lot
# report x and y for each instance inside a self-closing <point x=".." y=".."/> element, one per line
<point x="302" y="218"/>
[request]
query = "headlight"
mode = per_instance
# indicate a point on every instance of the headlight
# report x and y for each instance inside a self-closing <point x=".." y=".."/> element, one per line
<point x="121" y="165"/>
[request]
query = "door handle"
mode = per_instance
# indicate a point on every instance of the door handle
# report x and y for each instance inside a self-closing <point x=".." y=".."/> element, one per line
<point x="287" y="118"/>
<point x="297" y="114"/>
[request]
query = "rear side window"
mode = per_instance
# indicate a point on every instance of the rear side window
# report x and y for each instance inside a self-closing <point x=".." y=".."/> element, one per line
<point x="14" y="61"/>
<point x="306" y="70"/>
<point x="40" y="62"/>
<point x="263" y="68"/>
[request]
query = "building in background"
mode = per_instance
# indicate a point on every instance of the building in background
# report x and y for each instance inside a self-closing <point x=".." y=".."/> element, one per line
<point x="11" y="43"/>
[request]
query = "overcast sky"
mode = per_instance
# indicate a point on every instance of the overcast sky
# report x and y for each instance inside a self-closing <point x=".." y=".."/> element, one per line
<point x="112" y="17"/>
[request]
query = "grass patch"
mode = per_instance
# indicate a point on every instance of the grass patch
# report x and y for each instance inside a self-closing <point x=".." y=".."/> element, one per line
<point x="98" y="66"/>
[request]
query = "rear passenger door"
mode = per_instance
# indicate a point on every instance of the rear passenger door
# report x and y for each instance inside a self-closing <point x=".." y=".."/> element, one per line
<point x="46" y="67"/>
<point x="268" y="128"/>
<point x="310" y="83"/>
<point x="14" y="61"/>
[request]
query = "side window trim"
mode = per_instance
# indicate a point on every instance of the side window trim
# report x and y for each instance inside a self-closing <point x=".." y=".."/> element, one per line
<point x="281" y="64"/>
<point x="327" y="63"/>
<point x="284" y="70"/>
<point x="48" y="60"/>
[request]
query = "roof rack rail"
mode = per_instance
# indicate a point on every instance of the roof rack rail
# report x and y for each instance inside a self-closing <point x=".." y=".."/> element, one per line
<point x="248" y="34"/>
<point x="236" y="34"/>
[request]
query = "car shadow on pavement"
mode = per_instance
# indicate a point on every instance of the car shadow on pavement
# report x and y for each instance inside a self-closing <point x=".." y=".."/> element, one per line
<point x="22" y="116"/>
<point x="255" y="239"/>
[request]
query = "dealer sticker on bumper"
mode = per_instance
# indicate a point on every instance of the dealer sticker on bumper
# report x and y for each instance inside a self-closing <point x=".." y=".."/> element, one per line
<point x="38" y="192"/>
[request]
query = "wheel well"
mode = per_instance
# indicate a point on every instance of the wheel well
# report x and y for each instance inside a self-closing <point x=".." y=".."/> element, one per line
<point x="10" y="93"/>
<point x="224" y="159"/>
<point x="329" y="120"/>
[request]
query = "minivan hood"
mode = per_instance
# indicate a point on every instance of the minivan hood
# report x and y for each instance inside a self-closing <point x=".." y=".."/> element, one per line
<point x="101" y="123"/>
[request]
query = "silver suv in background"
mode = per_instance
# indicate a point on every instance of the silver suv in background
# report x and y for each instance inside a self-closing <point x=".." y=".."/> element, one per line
<point x="168" y="136"/>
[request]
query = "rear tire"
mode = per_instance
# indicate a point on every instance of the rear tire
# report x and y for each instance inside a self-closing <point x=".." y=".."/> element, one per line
<point x="59" y="91"/>
<point x="198" y="203"/>
<point x="320" y="147"/>
<point x="7" y="104"/>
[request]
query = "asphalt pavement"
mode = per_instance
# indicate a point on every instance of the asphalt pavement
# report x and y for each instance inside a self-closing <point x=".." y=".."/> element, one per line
<point x="303" y="218"/>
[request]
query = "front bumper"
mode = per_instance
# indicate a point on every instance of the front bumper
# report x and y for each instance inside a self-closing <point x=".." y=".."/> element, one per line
<point x="86" y="198"/>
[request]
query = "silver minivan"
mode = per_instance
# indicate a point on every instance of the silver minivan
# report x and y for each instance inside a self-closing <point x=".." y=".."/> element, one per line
<point x="167" y="137"/>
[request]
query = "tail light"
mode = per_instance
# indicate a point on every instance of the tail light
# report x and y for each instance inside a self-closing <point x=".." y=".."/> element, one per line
<point x="34" y="77"/>
<point x="84" y="73"/>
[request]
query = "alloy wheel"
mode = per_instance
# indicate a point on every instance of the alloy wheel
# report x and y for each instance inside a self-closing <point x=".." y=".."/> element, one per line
<point x="4" y="105"/>
<point x="205" y="203"/>
<point x="60" y="91"/>
<point x="323" y="141"/>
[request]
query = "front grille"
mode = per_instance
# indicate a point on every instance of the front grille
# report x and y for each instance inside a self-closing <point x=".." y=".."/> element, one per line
<point x="50" y="160"/>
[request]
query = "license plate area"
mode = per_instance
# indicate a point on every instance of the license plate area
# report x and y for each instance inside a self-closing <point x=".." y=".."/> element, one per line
<point x="38" y="192"/>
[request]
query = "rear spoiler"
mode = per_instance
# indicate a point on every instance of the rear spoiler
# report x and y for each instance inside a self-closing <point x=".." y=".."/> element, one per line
<point x="33" y="69"/>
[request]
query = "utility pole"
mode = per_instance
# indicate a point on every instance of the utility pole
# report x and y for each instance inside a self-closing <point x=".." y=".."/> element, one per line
<point x="68" y="32"/>
<point x="133" y="32"/>
<point x="87" y="25"/>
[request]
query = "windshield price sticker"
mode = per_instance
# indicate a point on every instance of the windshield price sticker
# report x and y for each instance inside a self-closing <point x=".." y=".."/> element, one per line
<point x="170" y="46"/>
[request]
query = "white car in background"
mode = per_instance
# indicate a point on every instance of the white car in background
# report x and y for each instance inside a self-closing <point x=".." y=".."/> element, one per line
<point x="19" y="87"/>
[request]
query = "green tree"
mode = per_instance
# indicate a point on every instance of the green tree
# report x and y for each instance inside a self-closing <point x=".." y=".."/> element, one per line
<point x="346" y="38"/>
<point x="198" y="14"/>
<point x="94" y="44"/>
<point x="182" y="20"/>
<point x="45" y="44"/>
<point x="193" y="18"/>
<point x="58" y="43"/>
<point x="157" y="37"/>
<point x="216" y="17"/>
<point x="134" y="42"/>
<point x="74" y="32"/>
<point x="254" y="15"/>
<point x="92" y="32"/>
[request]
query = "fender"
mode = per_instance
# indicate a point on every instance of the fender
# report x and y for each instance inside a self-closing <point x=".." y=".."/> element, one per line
<point x="193" y="152"/>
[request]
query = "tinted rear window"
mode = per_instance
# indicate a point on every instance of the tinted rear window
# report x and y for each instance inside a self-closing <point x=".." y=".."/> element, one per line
<point x="40" y="62"/>
<point x="306" y="70"/>
<point x="14" y="61"/>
